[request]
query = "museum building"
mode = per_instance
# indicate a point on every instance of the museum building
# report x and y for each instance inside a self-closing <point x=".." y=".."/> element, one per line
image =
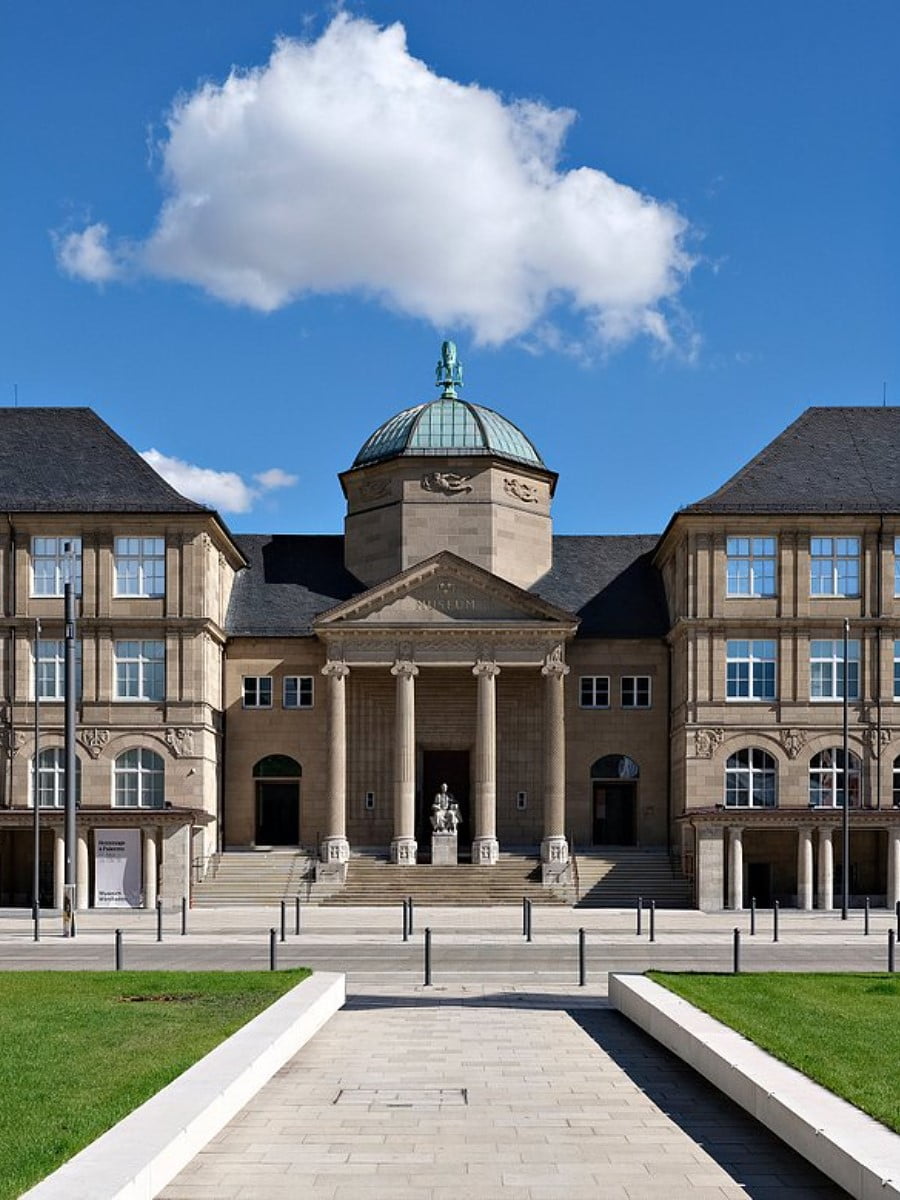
<point x="577" y="695"/>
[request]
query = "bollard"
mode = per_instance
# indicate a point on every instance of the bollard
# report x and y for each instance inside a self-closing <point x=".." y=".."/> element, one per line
<point x="897" y="907"/>
<point x="891" y="943"/>
<point x="297" y="915"/>
<point x="752" y="916"/>
<point x="273" y="951"/>
<point x="409" y="906"/>
<point x="652" y="920"/>
<point x="283" y="918"/>
<point x="405" y="923"/>
<point x="774" y="920"/>
<point x="582" y="965"/>
<point x="866" y="918"/>
<point x="528" y="921"/>
<point x="118" y="949"/>
<point x="36" y="917"/>
<point x="638" y="915"/>
<point x="737" y="951"/>
<point x="159" y="920"/>
<point x="183" y="915"/>
<point x="524" y="915"/>
<point x="428" y="958"/>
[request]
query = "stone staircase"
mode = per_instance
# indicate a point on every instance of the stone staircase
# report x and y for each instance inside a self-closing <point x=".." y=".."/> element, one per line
<point x="615" y="879"/>
<point x="238" y="877"/>
<point x="372" y="880"/>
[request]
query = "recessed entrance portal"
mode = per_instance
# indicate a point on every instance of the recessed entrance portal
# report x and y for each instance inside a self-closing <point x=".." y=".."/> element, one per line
<point x="450" y="767"/>
<point x="614" y="783"/>
<point x="277" y="783"/>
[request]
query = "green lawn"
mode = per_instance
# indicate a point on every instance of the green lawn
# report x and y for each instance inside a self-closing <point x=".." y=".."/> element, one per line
<point x="80" y="1049"/>
<point x="843" y="1031"/>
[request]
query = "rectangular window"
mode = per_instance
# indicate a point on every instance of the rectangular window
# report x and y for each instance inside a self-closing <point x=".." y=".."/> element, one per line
<point x="897" y="670"/>
<point x="826" y="669"/>
<point x="53" y="560"/>
<point x="751" y="566"/>
<point x="140" y="670"/>
<point x="140" y="566"/>
<point x="834" y="566"/>
<point x="594" y="691"/>
<point x="897" y="566"/>
<point x="257" y="691"/>
<point x="750" y="670"/>
<point x="50" y="671"/>
<point x="635" y="691"/>
<point x="297" y="691"/>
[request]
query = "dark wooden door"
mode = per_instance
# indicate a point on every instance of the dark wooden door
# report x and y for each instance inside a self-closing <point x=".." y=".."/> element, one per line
<point x="614" y="814"/>
<point x="277" y="813"/>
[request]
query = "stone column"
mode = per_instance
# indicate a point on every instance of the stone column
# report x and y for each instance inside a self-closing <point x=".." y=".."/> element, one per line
<point x="59" y="868"/>
<point x="81" y="870"/>
<point x="736" y="868"/>
<point x="554" y="847"/>
<point x="485" y="848"/>
<point x="709" y="868"/>
<point x="149" y="868"/>
<point x="334" y="847"/>
<point x="804" y="868"/>
<point x="893" y="872"/>
<point x="825" y="886"/>
<point x="403" y="843"/>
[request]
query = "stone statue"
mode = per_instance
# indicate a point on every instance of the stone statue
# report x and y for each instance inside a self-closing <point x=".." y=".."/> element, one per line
<point x="449" y="371"/>
<point x="445" y="816"/>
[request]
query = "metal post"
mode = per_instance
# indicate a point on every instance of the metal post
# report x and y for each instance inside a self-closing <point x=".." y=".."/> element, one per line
<point x="297" y="915"/>
<point x="638" y="915"/>
<point x="866" y="920"/>
<point x="283" y="920"/>
<point x="736" y="968"/>
<point x="845" y="819"/>
<point x="897" y="910"/>
<point x="69" y="739"/>
<point x="409" y="909"/>
<point x="582" y="965"/>
<point x="184" y="907"/>
<point x="36" y="915"/>
<point x="428" y="958"/>
<point x="774" y="920"/>
<point x="273" y="951"/>
<point x="118" y="949"/>
<point x="36" y="878"/>
<point x="752" y="916"/>
<point x="524" y="915"/>
<point x="891" y="943"/>
<point x="159" y="920"/>
<point x="652" y="920"/>
<point x="528" y="921"/>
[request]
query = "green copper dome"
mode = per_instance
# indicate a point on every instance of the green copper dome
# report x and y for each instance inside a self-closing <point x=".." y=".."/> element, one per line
<point x="447" y="425"/>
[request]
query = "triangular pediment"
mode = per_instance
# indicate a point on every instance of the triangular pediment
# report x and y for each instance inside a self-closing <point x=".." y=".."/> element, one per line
<point x="445" y="591"/>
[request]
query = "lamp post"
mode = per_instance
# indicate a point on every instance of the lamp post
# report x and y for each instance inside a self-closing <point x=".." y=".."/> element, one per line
<point x="70" y="848"/>
<point x="845" y="820"/>
<point x="36" y="795"/>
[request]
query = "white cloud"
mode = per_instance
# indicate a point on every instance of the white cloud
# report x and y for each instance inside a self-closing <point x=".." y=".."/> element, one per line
<point x="222" y="490"/>
<point x="86" y="255"/>
<point x="346" y="165"/>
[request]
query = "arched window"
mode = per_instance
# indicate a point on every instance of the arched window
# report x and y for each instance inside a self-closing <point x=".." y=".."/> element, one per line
<point x="751" y="779"/>
<point x="139" y="779"/>
<point x="826" y="779"/>
<point x="615" y="766"/>
<point x="897" y="782"/>
<point x="52" y="779"/>
<point x="277" y="766"/>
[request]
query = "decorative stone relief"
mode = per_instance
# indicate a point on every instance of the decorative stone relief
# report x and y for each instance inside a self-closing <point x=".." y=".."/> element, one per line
<point x="707" y="741"/>
<point x="447" y="482"/>
<point x="875" y="743"/>
<point x="94" y="741"/>
<point x="374" y="489"/>
<point x="180" y="741"/>
<point x="526" y="492"/>
<point x="11" y="741"/>
<point x="793" y="741"/>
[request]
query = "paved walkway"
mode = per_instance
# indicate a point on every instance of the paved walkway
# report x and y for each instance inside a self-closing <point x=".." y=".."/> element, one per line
<point x="450" y="1096"/>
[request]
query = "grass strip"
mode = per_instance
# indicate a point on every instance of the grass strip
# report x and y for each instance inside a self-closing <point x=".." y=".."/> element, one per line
<point x="841" y="1030"/>
<point x="80" y="1049"/>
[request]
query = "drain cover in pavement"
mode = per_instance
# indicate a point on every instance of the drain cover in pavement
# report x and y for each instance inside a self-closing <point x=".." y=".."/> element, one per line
<point x="403" y="1097"/>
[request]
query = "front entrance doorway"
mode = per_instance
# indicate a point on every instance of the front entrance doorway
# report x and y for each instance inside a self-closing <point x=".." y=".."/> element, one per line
<point x="277" y="783"/>
<point x="614" y="808"/>
<point x="759" y="884"/>
<point x="450" y="767"/>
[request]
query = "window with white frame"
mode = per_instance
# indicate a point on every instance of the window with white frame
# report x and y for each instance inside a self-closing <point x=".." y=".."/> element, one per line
<point x="53" y="561"/>
<point x="834" y="566"/>
<point x="52" y="779"/>
<point x="896" y="790"/>
<point x="297" y="691"/>
<point x="826" y="779"/>
<point x="897" y="670"/>
<point x="750" y="779"/>
<point x="139" y="777"/>
<point x="50" y="669"/>
<point x="750" y="669"/>
<point x="635" y="691"/>
<point x="140" y="566"/>
<point x="257" y="691"/>
<point x="897" y="566"/>
<point x="751" y="566"/>
<point x="594" y="691"/>
<point x="826" y="669"/>
<point x="140" y="670"/>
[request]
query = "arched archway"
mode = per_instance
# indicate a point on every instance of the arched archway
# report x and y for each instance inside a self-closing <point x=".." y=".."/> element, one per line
<point x="614" y="785"/>
<point x="276" y="780"/>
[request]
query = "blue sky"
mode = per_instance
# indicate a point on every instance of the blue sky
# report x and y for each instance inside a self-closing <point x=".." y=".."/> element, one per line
<point x="656" y="231"/>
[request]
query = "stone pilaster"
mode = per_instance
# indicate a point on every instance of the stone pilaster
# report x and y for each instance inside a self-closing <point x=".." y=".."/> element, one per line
<point x="710" y="868"/>
<point x="403" y="843"/>
<point x="893" y="872"/>
<point x="736" y="868"/>
<point x="805" y="868"/>
<point x="334" y="847"/>
<point x="81" y="870"/>
<point x="554" y="847"/>
<point x="825" y="883"/>
<point x="59" y="868"/>
<point x="149" y="868"/>
<point x="485" y="847"/>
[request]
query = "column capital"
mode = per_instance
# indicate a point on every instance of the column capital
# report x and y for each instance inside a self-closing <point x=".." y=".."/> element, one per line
<point x="554" y="666"/>
<point x="405" y="668"/>
<point x="486" y="669"/>
<point x="337" y="670"/>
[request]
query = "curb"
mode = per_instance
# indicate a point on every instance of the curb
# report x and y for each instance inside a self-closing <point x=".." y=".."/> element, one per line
<point x="856" y="1151"/>
<point x="137" y="1157"/>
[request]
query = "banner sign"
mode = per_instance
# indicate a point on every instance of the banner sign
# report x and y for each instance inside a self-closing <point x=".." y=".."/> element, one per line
<point x="117" y="868"/>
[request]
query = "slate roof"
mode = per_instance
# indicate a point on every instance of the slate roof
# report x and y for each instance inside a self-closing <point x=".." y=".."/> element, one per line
<point x="609" y="582"/>
<point x="829" y="460"/>
<point x="69" y="460"/>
